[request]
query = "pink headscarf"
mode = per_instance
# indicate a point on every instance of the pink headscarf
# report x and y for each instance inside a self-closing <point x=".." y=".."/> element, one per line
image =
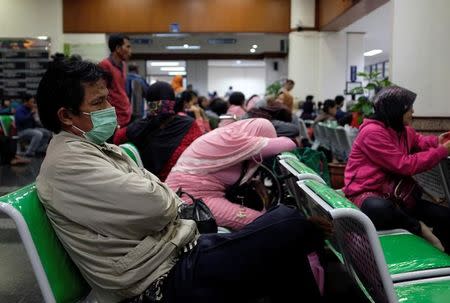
<point x="226" y="146"/>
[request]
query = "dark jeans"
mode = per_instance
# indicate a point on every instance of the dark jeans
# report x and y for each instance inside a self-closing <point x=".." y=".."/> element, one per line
<point x="267" y="258"/>
<point x="385" y="214"/>
<point x="7" y="149"/>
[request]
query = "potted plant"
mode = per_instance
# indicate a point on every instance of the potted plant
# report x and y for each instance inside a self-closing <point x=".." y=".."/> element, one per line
<point x="273" y="89"/>
<point x="364" y="106"/>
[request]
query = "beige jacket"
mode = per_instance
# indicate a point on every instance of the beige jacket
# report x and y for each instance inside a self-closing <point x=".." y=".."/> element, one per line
<point x="117" y="222"/>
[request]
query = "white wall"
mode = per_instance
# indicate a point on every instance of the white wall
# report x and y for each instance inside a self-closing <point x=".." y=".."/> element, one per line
<point x="303" y="64"/>
<point x="303" y="13"/>
<point x="420" y="53"/>
<point x="332" y="64"/>
<point x="31" y="18"/>
<point x="273" y="75"/>
<point x="248" y="80"/>
<point x="93" y="47"/>
<point x="197" y="75"/>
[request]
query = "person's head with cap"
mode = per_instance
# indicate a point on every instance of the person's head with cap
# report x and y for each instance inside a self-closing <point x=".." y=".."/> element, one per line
<point x="394" y="107"/>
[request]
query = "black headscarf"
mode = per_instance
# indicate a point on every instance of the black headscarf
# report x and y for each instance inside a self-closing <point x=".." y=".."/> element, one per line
<point x="158" y="135"/>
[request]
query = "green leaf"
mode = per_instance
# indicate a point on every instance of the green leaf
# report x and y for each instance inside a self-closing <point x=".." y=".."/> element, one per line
<point x="362" y="74"/>
<point x="371" y="86"/>
<point x="357" y="91"/>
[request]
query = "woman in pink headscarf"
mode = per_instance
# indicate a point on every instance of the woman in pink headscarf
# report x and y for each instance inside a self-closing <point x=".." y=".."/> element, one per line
<point x="213" y="162"/>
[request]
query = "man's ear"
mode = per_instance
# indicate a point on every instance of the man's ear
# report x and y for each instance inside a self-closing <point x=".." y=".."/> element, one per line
<point x="65" y="116"/>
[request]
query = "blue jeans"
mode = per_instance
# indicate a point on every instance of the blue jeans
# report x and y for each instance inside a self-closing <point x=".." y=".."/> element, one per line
<point x="251" y="263"/>
<point x="38" y="137"/>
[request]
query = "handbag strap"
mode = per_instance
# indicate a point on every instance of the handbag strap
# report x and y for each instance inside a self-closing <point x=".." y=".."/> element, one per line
<point x="244" y="170"/>
<point x="180" y="192"/>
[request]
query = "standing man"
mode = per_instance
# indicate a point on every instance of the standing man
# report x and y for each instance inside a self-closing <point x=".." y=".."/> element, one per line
<point x="115" y="64"/>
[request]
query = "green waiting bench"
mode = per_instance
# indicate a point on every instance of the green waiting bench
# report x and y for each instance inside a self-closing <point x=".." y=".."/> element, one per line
<point x="381" y="263"/>
<point x="59" y="279"/>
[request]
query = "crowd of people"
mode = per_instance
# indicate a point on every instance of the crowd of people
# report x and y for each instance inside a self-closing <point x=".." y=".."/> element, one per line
<point x="120" y="223"/>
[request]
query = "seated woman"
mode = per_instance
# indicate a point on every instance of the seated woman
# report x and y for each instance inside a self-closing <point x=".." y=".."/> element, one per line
<point x="216" y="108"/>
<point x="236" y="109"/>
<point x="213" y="163"/>
<point x="187" y="104"/>
<point x="163" y="136"/>
<point x="386" y="151"/>
<point x="328" y="113"/>
<point x="281" y="118"/>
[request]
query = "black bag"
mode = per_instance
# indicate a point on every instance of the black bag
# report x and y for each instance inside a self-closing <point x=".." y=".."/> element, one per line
<point x="255" y="193"/>
<point x="199" y="212"/>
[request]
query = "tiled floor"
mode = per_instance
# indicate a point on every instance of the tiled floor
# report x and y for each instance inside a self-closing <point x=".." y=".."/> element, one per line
<point x="17" y="281"/>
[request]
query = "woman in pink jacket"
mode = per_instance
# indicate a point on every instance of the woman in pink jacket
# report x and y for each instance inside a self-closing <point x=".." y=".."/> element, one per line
<point x="387" y="150"/>
<point x="213" y="162"/>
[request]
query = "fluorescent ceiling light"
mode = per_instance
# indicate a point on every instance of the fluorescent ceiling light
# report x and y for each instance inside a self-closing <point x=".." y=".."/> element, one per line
<point x="164" y="35"/>
<point x="165" y="63"/>
<point x="42" y="37"/>
<point x="255" y="46"/>
<point x="183" y="47"/>
<point x="176" y="73"/>
<point x="173" y="69"/>
<point x="238" y="61"/>
<point x="373" y="52"/>
<point x="252" y="50"/>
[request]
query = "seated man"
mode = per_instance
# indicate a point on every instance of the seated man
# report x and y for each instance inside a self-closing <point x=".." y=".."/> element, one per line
<point x="28" y="127"/>
<point x="120" y="224"/>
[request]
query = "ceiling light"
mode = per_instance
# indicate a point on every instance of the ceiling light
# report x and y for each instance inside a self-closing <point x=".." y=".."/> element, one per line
<point x="42" y="37"/>
<point x="373" y="52"/>
<point x="165" y="63"/>
<point x="252" y="50"/>
<point x="172" y="47"/>
<point x="238" y="61"/>
<point x="176" y="73"/>
<point x="170" y="35"/>
<point x="173" y="69"/>
<point x="255" y="46"/>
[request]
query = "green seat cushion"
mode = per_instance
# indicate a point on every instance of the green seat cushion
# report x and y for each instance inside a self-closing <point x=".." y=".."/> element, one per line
<point x="329" y="195"/>
<point x="407" y="253"/>
<point x="6" y="122"/>
<point x="300" y="167"/>
<point x="65" y="280"/>
<point x="424" y="292"/>
<point x="125" y="147"/>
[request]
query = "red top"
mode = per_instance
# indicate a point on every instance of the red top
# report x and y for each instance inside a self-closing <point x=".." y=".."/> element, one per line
<point x="117" y="94"/>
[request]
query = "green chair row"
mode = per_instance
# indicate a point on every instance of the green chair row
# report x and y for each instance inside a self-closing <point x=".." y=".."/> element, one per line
<point x="380" y="263"/>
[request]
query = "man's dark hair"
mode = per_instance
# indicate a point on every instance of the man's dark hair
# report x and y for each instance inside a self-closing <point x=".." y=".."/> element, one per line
<point x="309" y="98"/>
<point x="219" y="106"/>
<point x="27" y="97"/>
<point x="62" y="86"/>
<point x="133" y="68"/>
<point x="116" y="40"/>
<point x="237" y="98"/>
<point x="339" y="99"/>
<point x="290" y="81"/>
<point x="391" y="103"/>
<point x="329" y="103"/>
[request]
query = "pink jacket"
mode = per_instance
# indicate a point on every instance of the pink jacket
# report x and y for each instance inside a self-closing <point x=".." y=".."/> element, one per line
<point x="378" y="152"/>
